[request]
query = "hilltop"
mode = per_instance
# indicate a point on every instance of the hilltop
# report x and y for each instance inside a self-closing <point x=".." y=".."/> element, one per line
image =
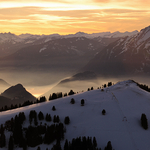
<point x="124" y="103"/>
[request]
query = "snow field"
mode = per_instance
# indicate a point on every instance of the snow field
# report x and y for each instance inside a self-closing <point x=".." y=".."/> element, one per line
<point x="124" y="103"/>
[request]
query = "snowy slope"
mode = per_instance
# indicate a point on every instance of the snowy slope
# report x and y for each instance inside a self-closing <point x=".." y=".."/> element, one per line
<point x="124" y="103"/>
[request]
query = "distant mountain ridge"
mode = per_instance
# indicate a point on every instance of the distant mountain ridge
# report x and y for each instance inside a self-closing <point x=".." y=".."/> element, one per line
<point x="23" y="37"/>
<point x="62" y="56"/>
<point x="10" y="42"/>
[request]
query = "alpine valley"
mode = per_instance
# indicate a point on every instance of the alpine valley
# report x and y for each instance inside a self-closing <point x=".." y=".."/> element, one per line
<point x="52" y="57"/>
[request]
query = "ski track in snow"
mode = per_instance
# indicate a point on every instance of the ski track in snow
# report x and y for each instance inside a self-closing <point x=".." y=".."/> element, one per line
<point x="124" y="119"/>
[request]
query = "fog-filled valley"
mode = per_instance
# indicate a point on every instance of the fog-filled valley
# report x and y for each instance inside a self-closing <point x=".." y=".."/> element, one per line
<point x="56" y="63"/>
<point x="44" y="84"/>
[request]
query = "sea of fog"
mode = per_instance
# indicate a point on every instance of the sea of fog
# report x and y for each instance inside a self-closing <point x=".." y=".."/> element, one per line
<point x="46" y="83"/>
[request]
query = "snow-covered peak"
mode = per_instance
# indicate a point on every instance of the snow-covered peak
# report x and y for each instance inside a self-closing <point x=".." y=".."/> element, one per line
<point x="147" y="29"/>
<point x="80" y="33"/>
<point x="143" y="35"/>
<point x="123" y="34"/>
<point x="102" y="34"/>
<point x="24" y="36"/>
<point x="30" y="36"/>
<point x="123" y="84"/>
<point x="9" y="37"/>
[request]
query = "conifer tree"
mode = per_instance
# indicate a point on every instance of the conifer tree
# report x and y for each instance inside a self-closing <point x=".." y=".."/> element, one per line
<point x="59" y="94"/>
<point x="103" y="111"/>
<point x="109" y="146"/>
<point x="65" y="94"/>
<point x="144" y="122"/>
<point x="67" y="120"/>
<point x="82" y="102"/>
<point x="54" y="96"/>
<point x="40" y="116"/>
<point x="38" y="148"/>
<point x="2" y="140"/>
<point x="17" y="131"/>
<point x="71" y="92"/>
<point x="11" y="143"/>
<point x="50" y="97"/>
<point x="48" y="117"/>
<point x="53" y="108"/>
<point x="66" y="145"/>
<point x="42" y="99"/>
<point x="72" y="101"/>
<point x="35" y="122"/>
<point x="57" y="146"/>
<point x="94" y="142"/>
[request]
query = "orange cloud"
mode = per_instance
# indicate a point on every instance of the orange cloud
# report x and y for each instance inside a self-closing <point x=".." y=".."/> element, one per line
<point x="65" y="17"/>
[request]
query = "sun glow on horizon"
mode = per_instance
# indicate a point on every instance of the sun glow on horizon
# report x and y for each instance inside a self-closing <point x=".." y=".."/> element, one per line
<point x="37" y="95"/>
<point x="68" y="17"/>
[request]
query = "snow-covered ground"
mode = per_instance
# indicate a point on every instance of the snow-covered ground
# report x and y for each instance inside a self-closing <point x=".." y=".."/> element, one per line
<point x="124" y="103"/>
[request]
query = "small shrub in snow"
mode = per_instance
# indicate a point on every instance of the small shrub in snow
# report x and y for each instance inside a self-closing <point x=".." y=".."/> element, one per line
<point x="53" y="108"/>
<point x="72" y="101"/>
<point x="65" y="94"/>
<point x="103" y="112"/>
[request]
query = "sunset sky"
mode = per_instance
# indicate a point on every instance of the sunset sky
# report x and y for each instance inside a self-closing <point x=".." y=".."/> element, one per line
<point x="71" y="16"/>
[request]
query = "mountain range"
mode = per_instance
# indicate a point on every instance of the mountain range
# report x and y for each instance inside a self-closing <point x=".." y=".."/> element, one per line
<point x="124" y="103"/>
<point x="11" y="43"/>
<point x="63" y="55"/>
<point x="81" y="58"/>
<point x="48" y="59"/>
<point x="126" y="56"/>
